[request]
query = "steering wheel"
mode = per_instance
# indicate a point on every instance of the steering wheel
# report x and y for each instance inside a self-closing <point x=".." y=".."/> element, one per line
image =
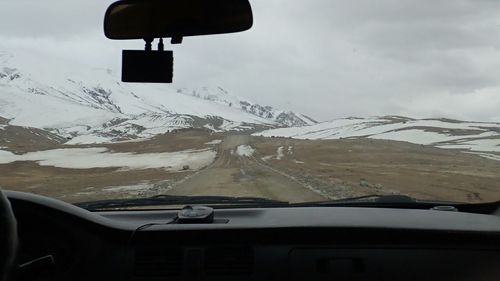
<point x="8" y="238"/>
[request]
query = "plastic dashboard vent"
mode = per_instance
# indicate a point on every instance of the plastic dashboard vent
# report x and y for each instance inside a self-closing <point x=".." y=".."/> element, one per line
<point x="158" y="264"/>
<point x="229" y="261"/>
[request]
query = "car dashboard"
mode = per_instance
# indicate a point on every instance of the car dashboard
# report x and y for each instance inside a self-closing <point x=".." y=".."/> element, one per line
<point x="59" y="241"/>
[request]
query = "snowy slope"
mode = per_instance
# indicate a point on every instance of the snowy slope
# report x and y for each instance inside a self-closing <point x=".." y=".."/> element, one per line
<point x="91" y="104"/>
<point x="221" y="96"/>
<point x="453" y="134"/>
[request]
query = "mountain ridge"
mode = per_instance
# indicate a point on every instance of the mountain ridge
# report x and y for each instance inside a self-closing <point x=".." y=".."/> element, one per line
<point x="482" y="138"/>
<point x="86" y="105"/>
<point x="93" y="104"/>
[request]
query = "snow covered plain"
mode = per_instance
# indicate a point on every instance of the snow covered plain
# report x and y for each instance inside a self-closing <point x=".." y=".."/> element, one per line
<point x="443" y="133"/>
<point x="99" y="157"/>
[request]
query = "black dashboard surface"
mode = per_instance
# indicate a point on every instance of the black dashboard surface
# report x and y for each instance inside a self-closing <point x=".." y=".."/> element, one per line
<point x="323" y="243"/>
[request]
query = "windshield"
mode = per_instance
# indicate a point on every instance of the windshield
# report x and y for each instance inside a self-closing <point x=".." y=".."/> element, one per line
<point x="320" y="100"/>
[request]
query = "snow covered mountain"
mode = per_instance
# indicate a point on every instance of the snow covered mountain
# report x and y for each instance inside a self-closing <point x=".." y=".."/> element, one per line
<point x="53" y="101"/>
<point x="477" y="137"/>
<point x="221" y="96"/>
<point x="90" y="105"/>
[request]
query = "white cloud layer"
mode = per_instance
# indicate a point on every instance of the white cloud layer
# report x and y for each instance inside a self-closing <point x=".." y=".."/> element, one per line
<point x="326" y="58"/>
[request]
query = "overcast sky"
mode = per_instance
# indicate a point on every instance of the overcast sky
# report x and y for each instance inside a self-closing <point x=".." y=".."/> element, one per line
<point x="325" y="58"/>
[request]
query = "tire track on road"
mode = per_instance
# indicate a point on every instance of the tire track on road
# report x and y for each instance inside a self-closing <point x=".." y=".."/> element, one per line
<point x="238" y="176"/>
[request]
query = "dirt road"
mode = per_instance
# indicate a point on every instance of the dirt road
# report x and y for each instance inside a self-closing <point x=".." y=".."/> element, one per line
<point x="236" y="175"/>
<point x="280" y="168"/>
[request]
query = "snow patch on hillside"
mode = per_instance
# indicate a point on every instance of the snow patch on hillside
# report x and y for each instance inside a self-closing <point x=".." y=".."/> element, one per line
<point x="421" y="136"/>
<point x="443" y="133"/>
<point x="485" y="145"/>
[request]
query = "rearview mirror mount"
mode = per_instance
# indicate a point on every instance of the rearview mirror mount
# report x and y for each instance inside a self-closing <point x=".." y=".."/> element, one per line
<point x="175" y="19"/>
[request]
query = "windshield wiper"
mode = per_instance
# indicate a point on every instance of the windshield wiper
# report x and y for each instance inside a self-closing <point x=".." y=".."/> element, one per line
<point x="403" y="202"/>
<point x="373" y="201"/>
<point x="170" y="200"/>
<point x="376" y="200"/>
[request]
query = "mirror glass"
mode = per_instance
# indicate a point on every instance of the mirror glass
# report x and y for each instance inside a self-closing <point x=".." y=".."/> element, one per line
<point x="144" y="19"/>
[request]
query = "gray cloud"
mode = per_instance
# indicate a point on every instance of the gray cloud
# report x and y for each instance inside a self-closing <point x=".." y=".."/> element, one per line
<point x="51" y="18"/>
<point x="325" y="58"/>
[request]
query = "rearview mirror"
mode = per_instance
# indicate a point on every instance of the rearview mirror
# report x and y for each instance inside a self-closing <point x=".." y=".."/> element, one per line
<point x="149" y="19"/>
